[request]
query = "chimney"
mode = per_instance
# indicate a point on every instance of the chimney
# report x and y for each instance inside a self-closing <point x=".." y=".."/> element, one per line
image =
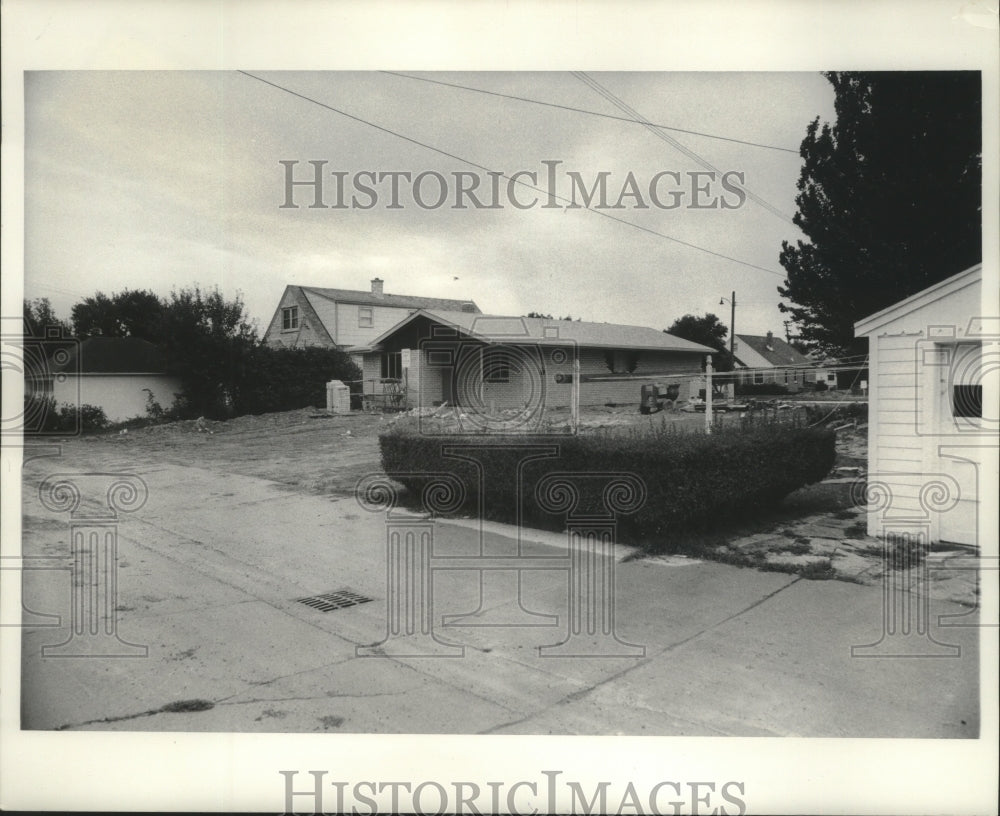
<point x="770" y="341"/>
<point x="376" y="286"/>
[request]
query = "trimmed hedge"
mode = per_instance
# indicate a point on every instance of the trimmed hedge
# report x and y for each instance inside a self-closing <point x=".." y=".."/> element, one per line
<point x="284" y="379"/>
<point x="691" y="480"/>
<point x="760" y="389"/>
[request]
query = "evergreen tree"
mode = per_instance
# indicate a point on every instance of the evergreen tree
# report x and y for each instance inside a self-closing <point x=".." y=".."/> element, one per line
<point x="889" y="198"/>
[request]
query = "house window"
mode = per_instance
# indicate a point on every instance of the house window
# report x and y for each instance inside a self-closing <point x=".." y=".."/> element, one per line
<point x="392" y="365"/>
<point x="365" y="319"/>
<point x="290" y="318"/>
<point x="967" y="401"/>
<point x="758" y="378"/>
<point x="496" y="366"/>
<point x="786" y="376"/>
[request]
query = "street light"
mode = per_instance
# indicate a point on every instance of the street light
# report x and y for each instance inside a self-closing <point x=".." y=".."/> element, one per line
<point x="732" y="322"/>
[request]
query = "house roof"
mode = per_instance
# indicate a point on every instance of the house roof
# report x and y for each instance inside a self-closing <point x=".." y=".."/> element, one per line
<point x="775" y="350"/>
<point x="113" y="355"/>
<point x="497" y="329"/>
<point x="396" y="301"/>
<point x="922" y="298"/>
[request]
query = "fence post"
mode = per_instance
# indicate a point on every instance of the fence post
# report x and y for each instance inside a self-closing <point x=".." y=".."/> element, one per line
<point x="708" y="394"/>
<point x="575" y="392"/>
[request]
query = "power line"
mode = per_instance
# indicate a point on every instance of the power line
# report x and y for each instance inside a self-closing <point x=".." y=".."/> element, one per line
<point x="654" y="129"/>
<point x="589" y="112"/>
<point x="471" y="163"/>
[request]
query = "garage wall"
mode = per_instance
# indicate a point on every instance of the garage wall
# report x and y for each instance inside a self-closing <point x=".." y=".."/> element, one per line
<point x="122" y="396"/>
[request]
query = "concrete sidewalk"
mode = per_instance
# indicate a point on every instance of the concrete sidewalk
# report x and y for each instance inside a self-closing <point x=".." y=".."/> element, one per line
<point x="211" y="567"/>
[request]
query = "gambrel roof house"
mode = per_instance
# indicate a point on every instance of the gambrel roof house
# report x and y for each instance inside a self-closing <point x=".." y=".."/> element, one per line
<point x="313" y="316"/>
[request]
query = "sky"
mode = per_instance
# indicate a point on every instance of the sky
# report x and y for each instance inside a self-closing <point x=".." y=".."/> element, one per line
<point x="164" y="180"/>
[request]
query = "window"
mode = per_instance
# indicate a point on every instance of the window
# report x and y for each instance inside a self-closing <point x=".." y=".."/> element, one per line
<point x="758" y="378"/>
<point x="392" y="365"/>
<point x="496" y="366"/>
<point x="967" y="401"/>
<point x="365" y="319"/>
<point x="289" y="318"/>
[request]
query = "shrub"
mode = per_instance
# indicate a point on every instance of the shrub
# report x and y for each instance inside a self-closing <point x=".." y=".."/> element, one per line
<point x="691" y="480"/>
<point x="91" y="417"/>
<point x="284" y="379"/>
<point x="760" y="389"/>
<point x="836" y="414"/>
<point x="43" y="416"/>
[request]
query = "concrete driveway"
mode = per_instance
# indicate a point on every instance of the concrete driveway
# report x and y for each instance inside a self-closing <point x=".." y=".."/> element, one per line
<point x="211" y="566"/>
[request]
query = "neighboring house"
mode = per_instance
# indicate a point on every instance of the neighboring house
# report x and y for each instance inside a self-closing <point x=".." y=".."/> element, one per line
<point x="771" y="360"/>
<point x="931" y="445"/>
<point x="117" y="374"/>
<point x="310" y="316"/>
<point x="488" y="363"/>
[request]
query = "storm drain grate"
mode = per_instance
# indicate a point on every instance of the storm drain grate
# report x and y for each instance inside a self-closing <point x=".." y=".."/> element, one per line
<point x="330" y="601"/>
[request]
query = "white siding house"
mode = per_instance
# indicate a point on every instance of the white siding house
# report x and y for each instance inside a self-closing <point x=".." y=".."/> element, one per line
<point x="340" y="318"/>
<point x="933" y="423"/>
<point x="489" y="363"/>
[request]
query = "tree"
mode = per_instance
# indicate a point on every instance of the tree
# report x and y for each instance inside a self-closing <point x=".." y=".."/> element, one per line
<point x="40" y="320"/>
<point x="707" y="330"/>
<point x="210" y="344"/>
<point x="889" y="198"/>
<point x="130" y="313"/>
<point x="550" y="317"/>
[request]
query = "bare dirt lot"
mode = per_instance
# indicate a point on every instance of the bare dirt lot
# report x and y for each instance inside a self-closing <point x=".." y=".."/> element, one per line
<point x="313" y="452"/>
<point x="817" y="532"/>
<point x="246" y="519"/>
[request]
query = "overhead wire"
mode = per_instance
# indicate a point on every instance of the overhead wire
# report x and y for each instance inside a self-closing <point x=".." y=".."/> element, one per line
<point x="512" y="179"/>
<point x="637" y="121"/>
<point x="658" y="132"/>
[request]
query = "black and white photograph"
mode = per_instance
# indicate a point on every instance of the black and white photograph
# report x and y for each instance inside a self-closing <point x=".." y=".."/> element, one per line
<point x="584" y="435"/>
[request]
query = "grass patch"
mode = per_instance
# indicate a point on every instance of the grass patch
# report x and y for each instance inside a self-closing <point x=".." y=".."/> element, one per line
<point x="818" y="570"/>
<point x="798" y="547"/>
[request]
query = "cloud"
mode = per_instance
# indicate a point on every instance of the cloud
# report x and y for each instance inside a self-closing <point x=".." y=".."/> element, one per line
<point x="159" y="179"/>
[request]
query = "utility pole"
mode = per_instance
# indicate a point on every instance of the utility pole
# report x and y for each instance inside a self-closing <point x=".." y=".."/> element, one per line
<point x="708" y="394"/>
<point x="732" y="326"/>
